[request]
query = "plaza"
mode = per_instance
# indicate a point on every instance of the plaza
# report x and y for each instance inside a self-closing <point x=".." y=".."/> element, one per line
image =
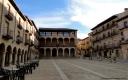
<point x="79" y="69"/>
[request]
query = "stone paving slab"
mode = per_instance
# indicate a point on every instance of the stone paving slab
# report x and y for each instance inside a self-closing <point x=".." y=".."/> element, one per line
<point x="78" y="69"/>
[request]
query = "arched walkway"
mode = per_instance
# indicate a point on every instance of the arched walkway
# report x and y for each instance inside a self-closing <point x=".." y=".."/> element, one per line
<point x="54" y="41"/>
<point x="66" y="52"/>
<point x="48" y="41"/>
<point x="25" y="56"/>
<point x="72" y="52"/>
<point x="60" y="40"/>
<point x="2" y="50"/>
<point x="54" y="52"/>
<point x="48" y="52"/>
<point x="7" y="56"/>
<point x="41" y="53"/>
<point x="18" y="56"/>
<point x="14" y="55"/>
<point x="66" y="41"/>
<point x="60" y="52"/>
<point x="72" y="41"/>
<point x="22" y="56"/>
<point x="42" y="41"/>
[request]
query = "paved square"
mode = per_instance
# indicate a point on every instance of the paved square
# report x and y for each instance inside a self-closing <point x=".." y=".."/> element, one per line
<point x="78" y="69"/>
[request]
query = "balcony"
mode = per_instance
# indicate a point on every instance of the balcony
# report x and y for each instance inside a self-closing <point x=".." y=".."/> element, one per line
<point x="30" y="34"/>
<point x="19" y="39"/>
<point x="19" y="26"/>
<point x="26" y="42"/>
<point x="7" y="36"/>
<point x="31" y="44"/>
<point x="26" y="31"/>
<point x="9" y="16"/>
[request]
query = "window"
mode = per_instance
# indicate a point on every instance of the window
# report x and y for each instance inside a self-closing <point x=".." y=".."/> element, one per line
<point x="122" y="38"/>
<point x="73" y="33"/>
<point x="9" y="8"/>
<point x="25" y="36"/>
<point x="66" y="34"/>
<point x="125" y="24"/>
<point x="42" y="33"/>
<point x="18" y="33"/>
<point x="48" y="33"/>
<point x="6" y="28"/>
<point x="107" y="25"/>
<point x="122" y="34"/>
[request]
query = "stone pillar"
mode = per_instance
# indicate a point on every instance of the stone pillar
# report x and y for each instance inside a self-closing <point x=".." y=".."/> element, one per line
<point x="63" y="52"/>
<point x="10" y="59"/>
<point x="57" y="53"/>
<point x="44" y="52"/>
<point x="51" y="53"/>
<point x="15" y="62"/>
<point x="23" y="58"/>
<point x="3" y="61"/>
<point x="69" y="53"/>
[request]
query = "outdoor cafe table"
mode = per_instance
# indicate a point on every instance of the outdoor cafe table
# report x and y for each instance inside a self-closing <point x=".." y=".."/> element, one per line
<point x="11" y="72"/>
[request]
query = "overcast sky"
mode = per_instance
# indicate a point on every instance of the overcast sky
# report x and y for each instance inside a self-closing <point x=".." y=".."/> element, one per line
<point x="77" y="14"/>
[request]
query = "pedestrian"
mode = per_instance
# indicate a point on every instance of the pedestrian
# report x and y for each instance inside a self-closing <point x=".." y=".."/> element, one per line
<point x="114" y="57"/>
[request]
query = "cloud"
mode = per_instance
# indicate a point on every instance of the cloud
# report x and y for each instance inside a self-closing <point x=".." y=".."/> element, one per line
<point x="91" y="12"/>
<point x="51" y="21"/>
<point x="82" y="35"/>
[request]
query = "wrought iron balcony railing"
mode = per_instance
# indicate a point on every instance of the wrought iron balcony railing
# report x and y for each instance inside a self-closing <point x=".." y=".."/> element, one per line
<point x="9" y="16"/>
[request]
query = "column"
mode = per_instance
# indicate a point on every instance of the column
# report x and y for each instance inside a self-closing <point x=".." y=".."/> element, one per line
<point x="63" y="52"/>
<point x="69" y="52"/>
<point x="15" y="62"/>
<point x="51" y="53"/>
<point x="44" y="52"/>
<point x="3" y="61"/>
<point x="10" y="59"/>
<point x="57" y="53"/>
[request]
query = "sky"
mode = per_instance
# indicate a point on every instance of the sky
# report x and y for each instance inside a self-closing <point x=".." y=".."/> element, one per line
<point x="75" y="14"/>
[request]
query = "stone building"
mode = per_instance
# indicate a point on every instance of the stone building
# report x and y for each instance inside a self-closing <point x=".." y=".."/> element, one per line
<point x="57" y="42"/>
<point x="109" y="37"/>
<point x="18" y="35"/>
<point x="84" y="47"/>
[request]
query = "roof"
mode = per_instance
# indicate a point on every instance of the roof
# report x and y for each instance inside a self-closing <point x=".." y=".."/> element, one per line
<point x="17" y="9"/>
<point x="56" y="29"/>
<point x="105" y="21"/>
<point x="122" y="18"/>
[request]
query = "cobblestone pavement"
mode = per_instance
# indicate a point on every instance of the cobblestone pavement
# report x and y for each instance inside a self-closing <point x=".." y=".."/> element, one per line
<point x="78" y="69"/>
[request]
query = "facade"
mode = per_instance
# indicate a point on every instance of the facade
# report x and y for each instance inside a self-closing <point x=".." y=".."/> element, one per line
<point x="109" y="37"/>
<point x="18" y="35"/>
<point x="84" y="47"/>
<point x="57" y="42"/>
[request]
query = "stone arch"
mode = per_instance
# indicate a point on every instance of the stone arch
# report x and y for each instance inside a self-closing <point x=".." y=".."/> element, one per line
<point x="22" y="56"/>
<point x="48" y="41"/>
<point x="72" y="52"/>
<point x="42" y="41"/>
<point x="18" y="56"/>
<point x="41" y="53"/>
<point x="60" y="52"/>
<point x="60" y="40"/>
<point x="54" y="41"/>
<point x="66" y="52"/>
<point x="25" y="56"/>
<point x="14" y="55"/>
<point x="8" y="55"/>
<point x="48" y="52"/>
<point x="72" y="41"/>
<point x="54" y="52"/>
<point x="66" y="41"/>
<point x="2" y="50"/>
